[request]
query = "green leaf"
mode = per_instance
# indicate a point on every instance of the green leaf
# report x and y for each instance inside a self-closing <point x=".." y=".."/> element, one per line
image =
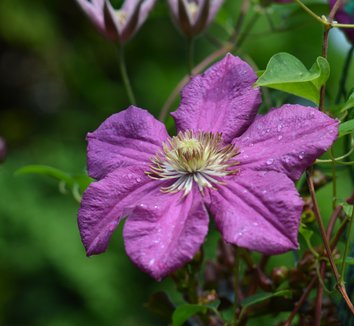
<point x="346" y="128"/>
<point x="185" y="311"/>
<point x="348" y="209"/>
<point x="262" y="296"/>
<point x="348" y="261"/>
<point x="349" y="104"/>
<point x="286" y="73"/>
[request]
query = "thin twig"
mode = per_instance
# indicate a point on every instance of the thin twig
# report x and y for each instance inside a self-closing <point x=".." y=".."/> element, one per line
<point x="340" y="286"/>
<point x="301" y="301"/>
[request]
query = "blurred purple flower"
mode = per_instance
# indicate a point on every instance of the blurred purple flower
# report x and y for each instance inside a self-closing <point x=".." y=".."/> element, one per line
<point x="225" y="158"/>
<point x="345" y="15"/>
<point x="193" y="16"/>
<point x="117" y="25"/>
<point x="3" y="150"/>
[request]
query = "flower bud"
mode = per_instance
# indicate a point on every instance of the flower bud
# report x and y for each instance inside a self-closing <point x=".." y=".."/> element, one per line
<point x="279" y="274"/>
<point x="117" y="25"/>
<point x="193" y="16"/>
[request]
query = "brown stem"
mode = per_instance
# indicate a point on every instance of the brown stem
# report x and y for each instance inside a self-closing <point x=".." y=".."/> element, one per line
<point x="319" y="296"/>
<point x="301" y="301"/>
<point x="340" y="286"/>
<point x="327" y="28"/>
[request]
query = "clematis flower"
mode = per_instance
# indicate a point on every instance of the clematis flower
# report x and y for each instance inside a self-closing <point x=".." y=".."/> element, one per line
<point x="345" y="15"/>
<point x="117" y="25"/>
<point x="225" y="159"/>
<point x="193" y="16"/>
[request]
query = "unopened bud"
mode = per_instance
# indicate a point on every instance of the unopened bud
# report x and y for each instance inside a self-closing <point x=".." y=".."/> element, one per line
<point x="279" y="274"/>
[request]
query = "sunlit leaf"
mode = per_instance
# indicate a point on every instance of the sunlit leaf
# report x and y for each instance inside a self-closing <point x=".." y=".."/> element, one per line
<point x="286" y="73"/>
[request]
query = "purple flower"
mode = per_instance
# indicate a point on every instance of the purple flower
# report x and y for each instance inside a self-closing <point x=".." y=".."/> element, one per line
<point x="117" y="25"/>
<point x="345" y="15"/>
<point x="225" y="159"/>
<point x="193" y="16"/>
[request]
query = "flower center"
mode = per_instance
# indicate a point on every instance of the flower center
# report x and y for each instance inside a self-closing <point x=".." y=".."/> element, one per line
<point x="192" y="8"/>
<point x="193" y="157"/>
<point x="122" y="16"/>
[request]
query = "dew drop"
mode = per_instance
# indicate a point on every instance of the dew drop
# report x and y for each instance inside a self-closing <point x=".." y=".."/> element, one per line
<point x="270" y="161"/>
<point x="280" y="127"/>
<point x="251" y="145"/>
<point x="151" y="262"/>
<point x="301" y="155"/>
<point x="264" y="191"/>
<point x="138" y="179"/>
<point x="280" y="137"/>
<point x="255" y="223"/>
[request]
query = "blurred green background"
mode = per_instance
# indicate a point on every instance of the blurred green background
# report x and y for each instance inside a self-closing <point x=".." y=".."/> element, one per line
<point x="59" y="80"/>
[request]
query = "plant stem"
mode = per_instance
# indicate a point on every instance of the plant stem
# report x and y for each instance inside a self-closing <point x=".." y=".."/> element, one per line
<point x="310" y="12"/>
<point x="301" y="301"/>
<point x="125" y="77"/>
<point x="334" y="181"/>
<point x="340" y="286"/>
<point x="343" y="80"/>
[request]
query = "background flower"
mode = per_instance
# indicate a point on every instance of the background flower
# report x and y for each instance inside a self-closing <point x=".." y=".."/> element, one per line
<point x="117" y="25"/>
<point x="257" y="208"/>
<point x="345" y="15"/>
<point x="193" y="16"/>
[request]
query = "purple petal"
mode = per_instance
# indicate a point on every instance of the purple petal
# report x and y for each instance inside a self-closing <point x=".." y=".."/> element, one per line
<point x="215" y="5"/>
<point x="127" y="138"/>
<point x="287" y="140"/>
<point x="258" y="210"/>
<point x="165" y="231"/>
<point x="107" y="201"/>
<point x="173" y="4"/>
<point x="220" y="100"/>
<point x="94" y="11"/>
<point x="145" y="10"/>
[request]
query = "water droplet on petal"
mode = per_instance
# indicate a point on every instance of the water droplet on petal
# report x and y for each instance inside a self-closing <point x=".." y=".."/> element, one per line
<point x="151" y="262"/>
<point x="270" y="161"/>
<point x="251" y="145"/>
<point x="301" y="155"/>
<point x="280" y="127"/>
<point x="255" y="223"/>
<point x="138" y="179"/>
<point x="280" y="137"/>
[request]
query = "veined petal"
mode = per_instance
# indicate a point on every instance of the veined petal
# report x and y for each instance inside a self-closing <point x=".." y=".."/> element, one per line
<point x="107" y="201"/>
<point x="165" y="231"/>
<point x="127" y="138"/>
<point x="220" y="100"/>
<point x="259" y="211"/>
<point x="287" y="140"/>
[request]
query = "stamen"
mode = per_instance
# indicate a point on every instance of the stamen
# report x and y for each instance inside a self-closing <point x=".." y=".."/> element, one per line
<point x="193" y="157"/>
